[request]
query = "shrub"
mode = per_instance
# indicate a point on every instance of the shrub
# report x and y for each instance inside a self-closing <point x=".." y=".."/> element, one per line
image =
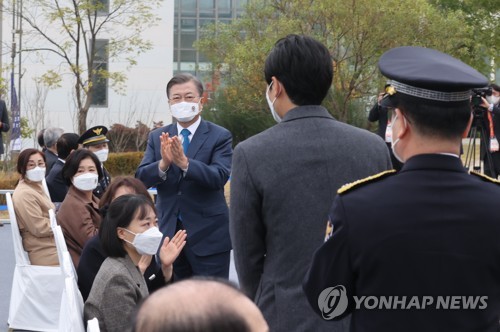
<point x="8" y="180"/>
<point x="123" y="163"/>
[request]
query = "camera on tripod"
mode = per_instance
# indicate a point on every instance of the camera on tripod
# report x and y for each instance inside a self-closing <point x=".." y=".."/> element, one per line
<point x="477" y="94"/>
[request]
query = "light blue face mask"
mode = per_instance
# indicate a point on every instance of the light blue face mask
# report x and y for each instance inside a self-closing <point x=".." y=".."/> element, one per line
<point x="271" y="105"/>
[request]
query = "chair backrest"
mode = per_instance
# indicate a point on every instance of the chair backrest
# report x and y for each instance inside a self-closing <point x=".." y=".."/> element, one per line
<point x="71" y="313"/>
<point x="21" y="255"/>
<point x="46" y="188"/>
<point x="67" y="266"/>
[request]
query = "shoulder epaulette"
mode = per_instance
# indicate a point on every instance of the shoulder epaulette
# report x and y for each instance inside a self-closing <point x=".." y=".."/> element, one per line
<point x="484" y="177"/>
<point x="349" y="186"/>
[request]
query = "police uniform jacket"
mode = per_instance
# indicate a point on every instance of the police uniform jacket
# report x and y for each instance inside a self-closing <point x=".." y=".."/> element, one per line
<point x="430" y="230"/>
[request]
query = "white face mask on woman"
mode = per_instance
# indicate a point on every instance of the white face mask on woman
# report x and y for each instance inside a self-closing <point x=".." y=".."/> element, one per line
<point x="147" y="242"/>
<point x="36" y="174"/>
<point x="86" y="181"/>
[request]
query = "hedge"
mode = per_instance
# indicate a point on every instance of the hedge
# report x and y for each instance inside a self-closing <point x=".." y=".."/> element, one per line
<point x="123" y="163"/>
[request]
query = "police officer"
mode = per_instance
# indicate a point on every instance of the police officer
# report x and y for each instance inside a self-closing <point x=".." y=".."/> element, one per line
<point x="96" y="141"/>
<point x="433" y="240"/>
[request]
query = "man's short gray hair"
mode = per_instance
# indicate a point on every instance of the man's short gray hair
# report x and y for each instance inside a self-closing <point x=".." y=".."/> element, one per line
<point x="51" y="135"/>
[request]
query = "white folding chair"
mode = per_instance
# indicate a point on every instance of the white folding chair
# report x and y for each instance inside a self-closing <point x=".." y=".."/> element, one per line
<point x="71" y="314"/>
<point x="35" y="298"/>
<point x="93" y="325"/>
<point x="60" y="242"/>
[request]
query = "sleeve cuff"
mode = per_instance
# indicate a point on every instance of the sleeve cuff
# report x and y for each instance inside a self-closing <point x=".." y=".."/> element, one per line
<point x="162" y="174"/>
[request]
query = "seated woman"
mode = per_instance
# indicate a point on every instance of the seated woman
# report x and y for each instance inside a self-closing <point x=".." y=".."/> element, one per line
<point x="31" y="205"/>
<point x="79" y="212"/>
<point x="93" y="255"/>
<point x="127" y="233"/>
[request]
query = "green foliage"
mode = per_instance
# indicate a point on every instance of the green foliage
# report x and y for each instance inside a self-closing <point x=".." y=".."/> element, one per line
<point x="124" y="163"/>
<point x="483" y="18"/>
<point x="356" y="33"/>
<point x="26" y="130"/>
<point x="240" y="122"/>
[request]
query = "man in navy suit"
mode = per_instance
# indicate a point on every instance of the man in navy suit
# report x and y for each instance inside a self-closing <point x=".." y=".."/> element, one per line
<point x="189" y="162"/>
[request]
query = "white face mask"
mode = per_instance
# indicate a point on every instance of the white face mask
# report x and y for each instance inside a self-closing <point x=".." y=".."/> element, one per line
<point x="86" y="181"/>
<point x="394" y="142"/>
<point x="184" y="111"/>
<point x="36" y="174"/>
<point x="147" y="242"/>
<point x="493" y="99"/>
<point x="271" y="105"/>
<point x="102" y="155"/>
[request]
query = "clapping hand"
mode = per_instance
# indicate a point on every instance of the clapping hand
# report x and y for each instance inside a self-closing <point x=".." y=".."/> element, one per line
<point x="178" y="156"/>
<point x="166" y="151"/>
<point x="170" y="250"/>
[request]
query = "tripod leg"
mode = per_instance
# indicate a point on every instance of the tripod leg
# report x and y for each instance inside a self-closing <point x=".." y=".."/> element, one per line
<point x="487" y="155"/>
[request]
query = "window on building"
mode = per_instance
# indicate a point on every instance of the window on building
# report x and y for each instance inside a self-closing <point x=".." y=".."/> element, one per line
<point x="102" y="7"/>
<point x="99" y="93"/>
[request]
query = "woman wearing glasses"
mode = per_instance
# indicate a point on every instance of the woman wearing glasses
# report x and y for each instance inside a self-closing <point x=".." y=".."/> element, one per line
<point x="32" y="205"/>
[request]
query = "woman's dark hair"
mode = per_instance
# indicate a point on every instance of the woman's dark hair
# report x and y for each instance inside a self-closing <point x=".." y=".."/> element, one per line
<point x="120" y="213"/>
<point x="123" y="181"/>
<point x="73" y="161"/>
<point x="24" y="158"/>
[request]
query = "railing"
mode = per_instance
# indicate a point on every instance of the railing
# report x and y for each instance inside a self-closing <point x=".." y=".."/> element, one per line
<point x="4" y="191"/>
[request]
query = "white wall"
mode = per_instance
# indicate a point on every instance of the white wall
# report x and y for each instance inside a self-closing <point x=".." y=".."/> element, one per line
<point x="145" y="91"/>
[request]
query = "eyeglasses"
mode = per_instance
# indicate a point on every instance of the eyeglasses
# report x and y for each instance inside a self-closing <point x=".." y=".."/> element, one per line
<point x="178" y="99"/>
<point x="32" y="164"/>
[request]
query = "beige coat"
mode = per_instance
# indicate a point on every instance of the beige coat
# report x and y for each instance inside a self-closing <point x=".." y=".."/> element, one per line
<point x="79" y="219"/>
<point x="32" y="205"/>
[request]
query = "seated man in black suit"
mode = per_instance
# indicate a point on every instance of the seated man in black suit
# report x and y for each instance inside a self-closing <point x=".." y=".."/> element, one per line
<point x="55" y="182"/>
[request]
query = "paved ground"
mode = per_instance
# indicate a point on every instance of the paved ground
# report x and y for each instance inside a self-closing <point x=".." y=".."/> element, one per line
<point x="7" y="264"/>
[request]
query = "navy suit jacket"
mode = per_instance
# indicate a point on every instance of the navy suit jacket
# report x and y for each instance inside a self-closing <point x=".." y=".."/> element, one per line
<point x="55" y="182"/>
<point x="199" y="195"/>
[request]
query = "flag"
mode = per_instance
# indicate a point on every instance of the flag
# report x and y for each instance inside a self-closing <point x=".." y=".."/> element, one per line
<point x="15" y="134"/>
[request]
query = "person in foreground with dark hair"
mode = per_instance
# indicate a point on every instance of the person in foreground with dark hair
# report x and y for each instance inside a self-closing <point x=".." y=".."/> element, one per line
<point x="284" y="180"/>
<point x="127" y="232"/>
<point x="421" y="244"/>
<point x="199" y="305"/>
<point x="93" y="254"/>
